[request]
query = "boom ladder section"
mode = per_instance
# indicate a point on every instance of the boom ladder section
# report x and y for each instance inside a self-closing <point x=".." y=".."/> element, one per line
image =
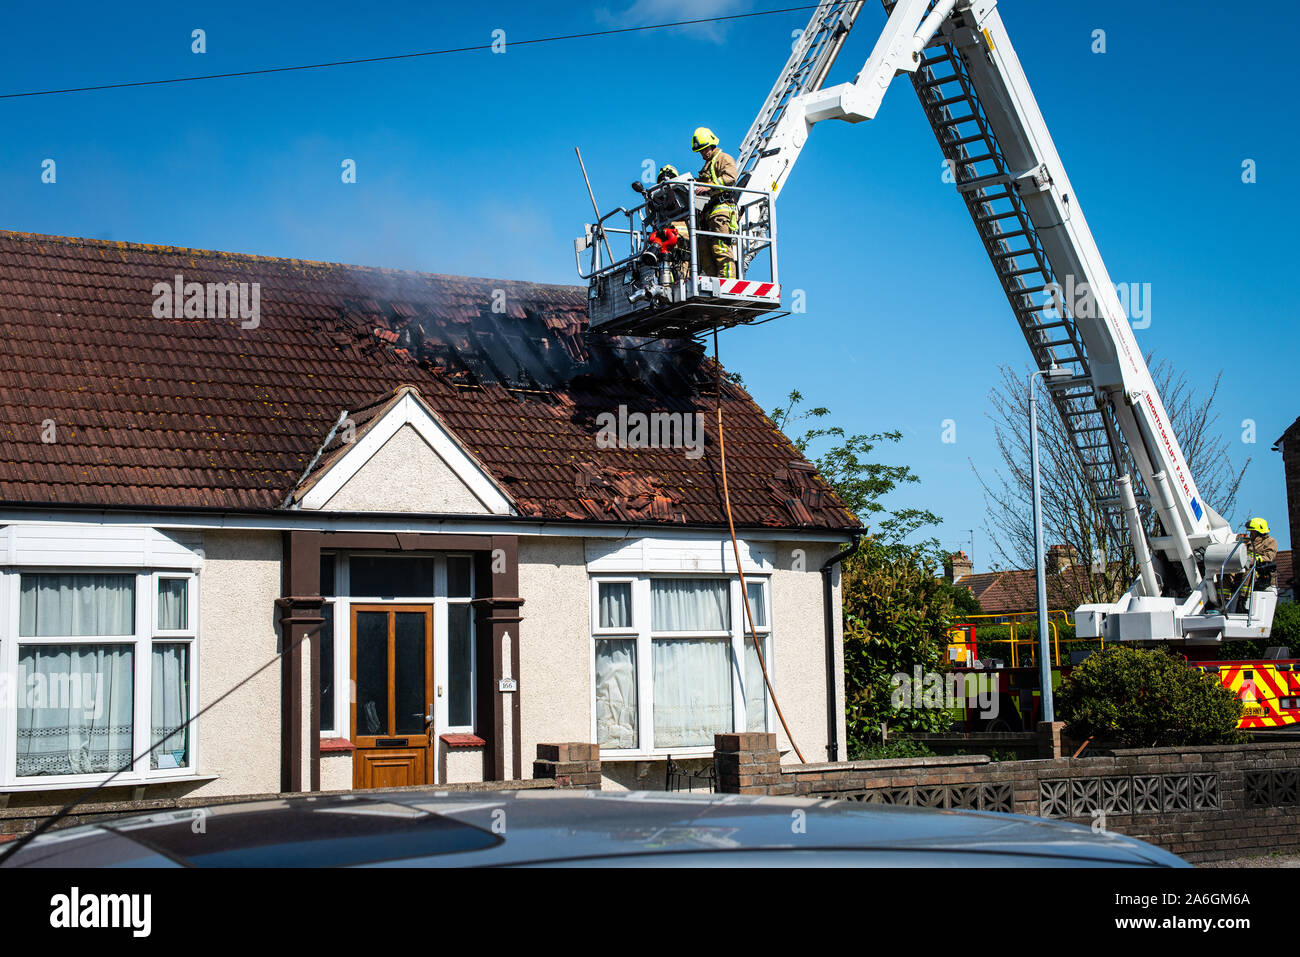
<point x="1006" y="168"/>
<point x="805" y="71"/>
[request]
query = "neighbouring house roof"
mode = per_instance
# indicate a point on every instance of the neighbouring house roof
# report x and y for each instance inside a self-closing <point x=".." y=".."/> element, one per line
<point x="1292" y="434"/>
<point x="979" y="583"/>
<point x="1016" y="591"/>
<point x="202" y="413"/>
<point x="1007" y="592"/>
<point x="1285" y="572"/>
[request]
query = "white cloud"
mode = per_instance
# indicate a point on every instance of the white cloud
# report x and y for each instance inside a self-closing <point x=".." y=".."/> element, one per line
<point x="647" y="12"/>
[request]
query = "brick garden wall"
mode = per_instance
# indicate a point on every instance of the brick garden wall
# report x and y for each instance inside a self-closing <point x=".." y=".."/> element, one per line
<point x="573" y="765"/>
<point x="1204" y="804"/>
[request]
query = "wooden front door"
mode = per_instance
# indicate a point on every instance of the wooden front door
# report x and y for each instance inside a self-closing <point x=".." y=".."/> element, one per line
<point x="392" y="703"/>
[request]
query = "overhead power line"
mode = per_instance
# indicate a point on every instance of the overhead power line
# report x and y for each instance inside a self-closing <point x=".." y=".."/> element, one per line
<point x="407" y="56"/>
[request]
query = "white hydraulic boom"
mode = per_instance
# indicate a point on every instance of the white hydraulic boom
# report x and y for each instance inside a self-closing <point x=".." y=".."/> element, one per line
<point x="1196" y="583"/>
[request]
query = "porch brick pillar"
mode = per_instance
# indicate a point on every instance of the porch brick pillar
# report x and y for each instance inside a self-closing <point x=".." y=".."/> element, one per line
<point x="300" y="622"/>
<point x="1049" y="738"/>
<point x="571" y="765"/>
<point x="748" y="764"/>
<point x="499" y="615"/>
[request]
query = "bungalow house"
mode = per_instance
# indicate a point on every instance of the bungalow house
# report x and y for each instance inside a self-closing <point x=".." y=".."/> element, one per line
<point x="273" y="525"/>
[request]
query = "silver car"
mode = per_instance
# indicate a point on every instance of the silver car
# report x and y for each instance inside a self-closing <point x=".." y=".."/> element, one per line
<point x="565" y="828"/>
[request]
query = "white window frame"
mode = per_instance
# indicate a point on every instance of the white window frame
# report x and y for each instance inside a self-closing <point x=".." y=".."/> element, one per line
<point x="442" y="651"/>
<point x="596" y="628"/>
<point x="764" y="634"/>
<point x="644" y="635"/>
<point x="342" y="663"/>
<point x="191" y="602"/>
<point x="141" y="641"/>
<point x="597" y="633"/>
<point x="188" y="636"/>
<point x="342" y="601"/>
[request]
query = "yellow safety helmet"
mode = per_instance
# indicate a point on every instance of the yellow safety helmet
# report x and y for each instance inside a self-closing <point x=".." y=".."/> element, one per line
<point x="702" y="138"/>
<point x="1258" y="525"/>
<point x="668" y="171"/>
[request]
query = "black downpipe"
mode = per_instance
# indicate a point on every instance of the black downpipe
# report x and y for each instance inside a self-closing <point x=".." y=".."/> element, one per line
<point x="832" y="708"/>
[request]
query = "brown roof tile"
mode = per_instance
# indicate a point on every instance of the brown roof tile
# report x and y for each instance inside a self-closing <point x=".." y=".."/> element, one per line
<point x="203" y="413"/>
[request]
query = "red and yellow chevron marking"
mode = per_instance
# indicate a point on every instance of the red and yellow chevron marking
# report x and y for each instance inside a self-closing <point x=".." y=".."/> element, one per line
<point x="1261" y="686"/>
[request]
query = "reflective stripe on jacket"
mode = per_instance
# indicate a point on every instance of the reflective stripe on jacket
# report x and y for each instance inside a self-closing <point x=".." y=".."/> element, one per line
<point x="719" y="170"/>
<point x="1263" y="547"/>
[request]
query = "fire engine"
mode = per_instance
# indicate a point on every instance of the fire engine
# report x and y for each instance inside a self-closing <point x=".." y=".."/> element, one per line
<point x="1269" y="688"/>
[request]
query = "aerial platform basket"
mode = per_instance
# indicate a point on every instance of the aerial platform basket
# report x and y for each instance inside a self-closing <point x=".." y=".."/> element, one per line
<point x="636" y="287"/>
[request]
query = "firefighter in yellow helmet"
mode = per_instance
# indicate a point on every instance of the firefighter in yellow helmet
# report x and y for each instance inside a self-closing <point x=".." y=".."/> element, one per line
<point x="717" y="255"/>
<point x="682" y="267"/>
<point x="667" y="172"/>
<point x="1261" y="545"/>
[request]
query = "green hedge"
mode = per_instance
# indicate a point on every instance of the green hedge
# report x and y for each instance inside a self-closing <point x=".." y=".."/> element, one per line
<point x="894" y="748"/>
<point x="1147" y="698"/>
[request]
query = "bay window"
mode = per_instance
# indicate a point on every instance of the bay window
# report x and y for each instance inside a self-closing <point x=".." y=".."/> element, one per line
<point x="102" y="669"/>
<point x="673" y="661"/>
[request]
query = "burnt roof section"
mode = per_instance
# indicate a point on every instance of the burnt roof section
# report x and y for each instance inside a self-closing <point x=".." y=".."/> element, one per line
<point x="102" y="403"/>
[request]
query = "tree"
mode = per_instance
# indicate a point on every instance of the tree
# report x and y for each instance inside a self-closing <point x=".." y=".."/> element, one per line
<point x="1070" y="516"/>
<point x="897" y="614"/>
<point x="897" y="611"/>
<point x="859" y="482"/>
<point x="964" y="602"/>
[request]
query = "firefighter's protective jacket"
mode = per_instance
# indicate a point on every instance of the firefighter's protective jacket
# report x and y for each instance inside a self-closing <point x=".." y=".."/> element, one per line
<point x="719" y="170"/>
<point x="1263" y="547"/>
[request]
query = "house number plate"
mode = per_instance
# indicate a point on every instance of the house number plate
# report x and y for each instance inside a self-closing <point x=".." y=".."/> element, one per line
<point x="507" y="684"/>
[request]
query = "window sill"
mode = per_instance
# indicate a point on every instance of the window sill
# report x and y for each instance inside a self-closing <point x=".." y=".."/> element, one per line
<point x="336" y="746"/>
<point x="462" y="740"/>
<point x="118" y="783"/>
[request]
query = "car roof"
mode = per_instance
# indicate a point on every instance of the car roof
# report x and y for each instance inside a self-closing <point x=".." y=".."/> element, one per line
<point x="427" y="827"/>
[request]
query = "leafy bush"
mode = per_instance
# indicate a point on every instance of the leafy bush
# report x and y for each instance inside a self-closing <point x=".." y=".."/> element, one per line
<point x="1286" y="626"/>
<point x="896" y="617"/>
<point x="893" y="748"/>
<point x="1147" y="698"/>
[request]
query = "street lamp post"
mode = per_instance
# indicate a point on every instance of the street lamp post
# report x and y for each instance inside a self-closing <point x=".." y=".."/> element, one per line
<point x="1040" y="562"/>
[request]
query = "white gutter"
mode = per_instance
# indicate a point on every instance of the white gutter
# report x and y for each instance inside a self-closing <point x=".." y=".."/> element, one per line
<point x="301" y="520"/>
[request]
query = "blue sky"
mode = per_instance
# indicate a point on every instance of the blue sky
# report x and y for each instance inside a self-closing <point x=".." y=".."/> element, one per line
<point x="465" y="165"/>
